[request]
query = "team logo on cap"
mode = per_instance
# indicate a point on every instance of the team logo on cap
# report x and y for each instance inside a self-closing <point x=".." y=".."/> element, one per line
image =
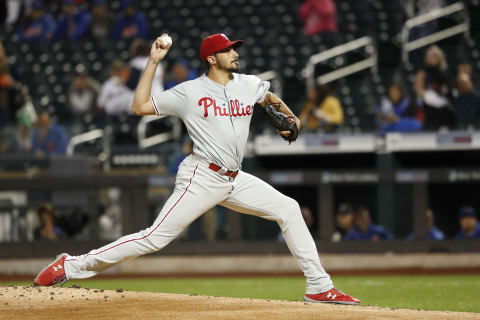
<point x="224" y="36"/>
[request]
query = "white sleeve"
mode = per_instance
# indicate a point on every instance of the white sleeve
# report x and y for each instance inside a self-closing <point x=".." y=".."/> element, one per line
<point x="261" y="88"/>
<point x="170" y="102"/>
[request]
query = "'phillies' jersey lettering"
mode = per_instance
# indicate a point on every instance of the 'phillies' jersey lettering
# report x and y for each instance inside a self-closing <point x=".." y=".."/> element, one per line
<point x="237" y="109"/>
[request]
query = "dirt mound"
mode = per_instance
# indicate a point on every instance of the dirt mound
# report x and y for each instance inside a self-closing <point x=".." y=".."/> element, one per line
<point x="83" y="303"/>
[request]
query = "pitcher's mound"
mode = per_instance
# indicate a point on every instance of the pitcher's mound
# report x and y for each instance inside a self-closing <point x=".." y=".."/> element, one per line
<point x="83" y="303"/>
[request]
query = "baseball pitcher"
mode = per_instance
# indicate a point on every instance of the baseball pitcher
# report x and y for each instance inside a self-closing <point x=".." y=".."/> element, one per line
<point x="216" y="108"/>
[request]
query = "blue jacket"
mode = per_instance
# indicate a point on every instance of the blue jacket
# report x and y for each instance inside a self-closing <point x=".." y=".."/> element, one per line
<point x="407" y="124"/>
<point x="55" y="142"/>
<point x="434" y="234"/>
<point x="131" y="27"/>
<point x="372" y="231"/>
<point x="475" y="235"/>
<point x="39" y="30"/>
<point x="72" y="27"/>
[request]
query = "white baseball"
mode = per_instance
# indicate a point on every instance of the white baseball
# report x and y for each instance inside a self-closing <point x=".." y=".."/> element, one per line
<point x="165" y="41"/>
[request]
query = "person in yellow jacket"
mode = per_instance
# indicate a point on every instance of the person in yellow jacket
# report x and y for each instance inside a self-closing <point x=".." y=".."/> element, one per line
<point x="322" y="110"/>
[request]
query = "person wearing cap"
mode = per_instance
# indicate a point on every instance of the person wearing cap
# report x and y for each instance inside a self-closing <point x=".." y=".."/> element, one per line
<point x="469" y="226"/>
<point x="344" y="221"/>
<point x="216" y="108"/>
<point x="38" y="26"/>
<point x="72" y="23"/>
<point x="132" y="24"/>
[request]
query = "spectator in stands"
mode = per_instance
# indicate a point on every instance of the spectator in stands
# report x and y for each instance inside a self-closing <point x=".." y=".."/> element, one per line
<point x="11" y="95"/>
<point x="181" y="72"/>
<point x="344" y="221"/>
<point x="415" y="8"/>
<point x="364" y="229"/>
<point x="465" y="67"/>
<point x="115" y="97"/>
<point x="38" y="26"/>
<point x="83" y="93"/>
<point x="319" y="16"/>
<point x="397" y="112"/>
<point x="23" y="138"/>
<point x="433" y="232"/>
<point x="322" y="110"/>
<point x="433" y="91"/>
<point x="467" y="99"/>
<point x="469" y="227"/>
<point x="102" y="21"/>
<point x="72" y="23"/>
<point x="132" y="24"/>
<point x="18" y="139"/>
<point x="307" y="217"/>
<point x="47" y="229"/>
<point x="187" y="149"/>
<point x="49" y="138"/>
<point x="140" y="51"/>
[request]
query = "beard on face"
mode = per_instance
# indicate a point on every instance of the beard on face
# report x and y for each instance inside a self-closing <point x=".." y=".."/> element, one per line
<point x="231" y="68"/>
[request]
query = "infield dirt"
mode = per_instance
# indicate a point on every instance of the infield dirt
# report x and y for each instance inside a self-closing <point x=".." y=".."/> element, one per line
<point x="17" y="302"/>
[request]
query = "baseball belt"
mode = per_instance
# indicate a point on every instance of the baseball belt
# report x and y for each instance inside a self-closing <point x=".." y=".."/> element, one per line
<point x="222" y="171"/>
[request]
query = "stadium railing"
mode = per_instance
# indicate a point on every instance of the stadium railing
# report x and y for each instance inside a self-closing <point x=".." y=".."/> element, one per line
<point x="462" y="27"/>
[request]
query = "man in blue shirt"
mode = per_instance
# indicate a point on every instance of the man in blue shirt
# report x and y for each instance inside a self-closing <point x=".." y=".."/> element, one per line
<point x="433" y="232"/>
<point x="49" y="138"/>
<point x="39" y="26"/>
<point x="469" y="227"/>
<point x="132" y="24"/>
<point x="72" y="24"/>
<point x="364" y="229"/>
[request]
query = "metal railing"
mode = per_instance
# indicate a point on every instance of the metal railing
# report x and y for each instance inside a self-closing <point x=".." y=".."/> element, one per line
<point x="369" y="62"/>
<point x="83" y="138"/>
<point x="145" y="142"/>
<point x="276" y="83"/>
<point x="464" y="27"/>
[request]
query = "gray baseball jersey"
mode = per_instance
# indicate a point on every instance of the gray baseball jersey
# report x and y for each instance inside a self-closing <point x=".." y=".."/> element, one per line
<point x="217" y="117"/>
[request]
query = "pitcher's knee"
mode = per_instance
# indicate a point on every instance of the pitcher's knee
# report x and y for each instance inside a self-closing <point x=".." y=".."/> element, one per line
<point x="290" y="209"/>
<point x="156" y="240"/>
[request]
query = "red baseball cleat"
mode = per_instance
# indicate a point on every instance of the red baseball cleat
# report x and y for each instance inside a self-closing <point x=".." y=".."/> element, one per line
<point x="332" y="296"/>
<point x="53" y="273"/>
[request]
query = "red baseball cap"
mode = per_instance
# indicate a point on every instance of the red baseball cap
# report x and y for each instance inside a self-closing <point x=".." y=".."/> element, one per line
<point x="217" y="42"/>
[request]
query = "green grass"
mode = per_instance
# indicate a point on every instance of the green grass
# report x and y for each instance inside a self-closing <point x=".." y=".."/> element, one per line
<point x="447" y="293"/>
